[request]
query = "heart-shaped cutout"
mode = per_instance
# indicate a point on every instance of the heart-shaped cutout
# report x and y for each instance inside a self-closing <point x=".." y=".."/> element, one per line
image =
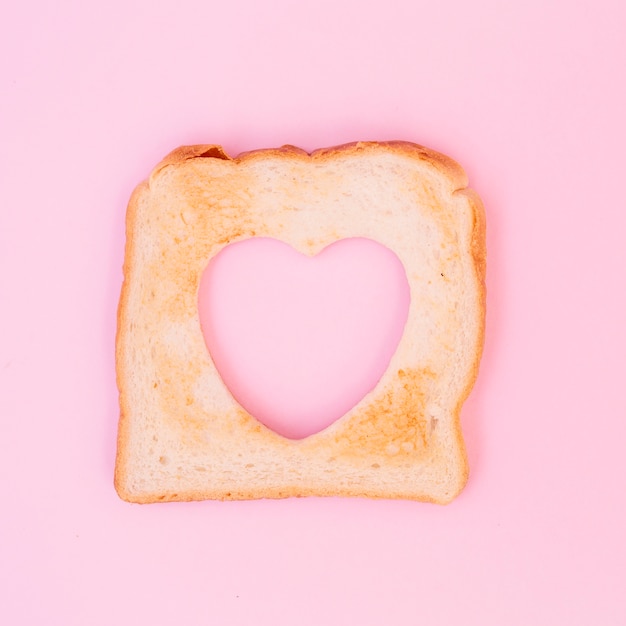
<point x="300" y="340"/>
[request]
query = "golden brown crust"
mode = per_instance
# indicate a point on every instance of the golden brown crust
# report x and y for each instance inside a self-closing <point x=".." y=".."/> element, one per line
<point x="121" y="373"/>
<point x="184" y="153"/>
<point x="369" y="434"/>
<point x="479" y="253"/>
<point x="443" y="163"/>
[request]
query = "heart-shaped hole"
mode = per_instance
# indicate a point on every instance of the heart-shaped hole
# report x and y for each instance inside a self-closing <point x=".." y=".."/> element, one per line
<point x="300" y="340"/>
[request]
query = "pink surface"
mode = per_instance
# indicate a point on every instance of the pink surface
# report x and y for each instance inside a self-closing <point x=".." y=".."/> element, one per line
<point x="300" y="340"/>
<point x="528" y="97"/>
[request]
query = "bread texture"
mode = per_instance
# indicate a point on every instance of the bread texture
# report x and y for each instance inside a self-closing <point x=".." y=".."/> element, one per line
<point x="182" y="435"/>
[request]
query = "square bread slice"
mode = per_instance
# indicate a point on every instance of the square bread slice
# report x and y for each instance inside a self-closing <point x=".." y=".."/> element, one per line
<point x="182" y="435"/>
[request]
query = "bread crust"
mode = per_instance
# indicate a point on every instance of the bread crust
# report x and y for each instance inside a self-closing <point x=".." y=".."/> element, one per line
<point x="369" y="429"/>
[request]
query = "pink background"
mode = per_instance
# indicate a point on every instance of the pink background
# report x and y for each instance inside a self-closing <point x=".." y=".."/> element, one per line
<point x="529" y="97"/>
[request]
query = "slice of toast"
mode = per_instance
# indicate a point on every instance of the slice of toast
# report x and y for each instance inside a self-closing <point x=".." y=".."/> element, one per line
<point x="182" y="435"/>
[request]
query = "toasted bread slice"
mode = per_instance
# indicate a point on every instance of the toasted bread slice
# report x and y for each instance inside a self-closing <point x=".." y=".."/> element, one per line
<point x="182" y="435"/>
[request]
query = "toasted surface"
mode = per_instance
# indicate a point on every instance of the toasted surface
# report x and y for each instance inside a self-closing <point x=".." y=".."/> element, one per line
<point x="182" y="436"/>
